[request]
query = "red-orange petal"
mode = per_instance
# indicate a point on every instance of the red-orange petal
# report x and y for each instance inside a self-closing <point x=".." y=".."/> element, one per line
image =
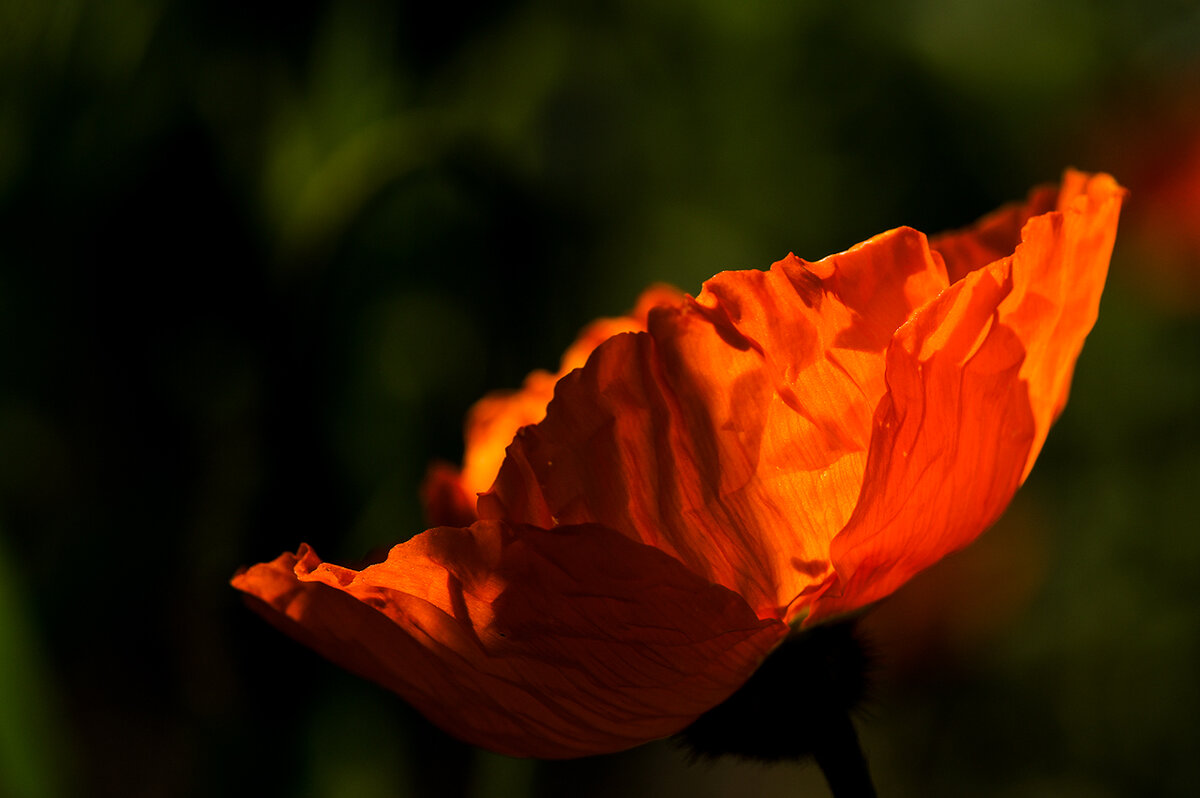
<point x="733" y="433"/>
<point x="527" y="642"/>
<point x="1058" y="274"/>
<point x="445" y="501"/>
<point x="993" y="237"/>
<point x="974" y="381"/>
<point x="1059" y="243"/>
<point x="494" y="420"/>
<point x="951" y="439"/>
<point x="799" y="441"/>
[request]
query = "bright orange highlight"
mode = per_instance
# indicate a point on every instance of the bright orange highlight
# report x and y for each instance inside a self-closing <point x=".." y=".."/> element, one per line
<point x="787" y="446"/>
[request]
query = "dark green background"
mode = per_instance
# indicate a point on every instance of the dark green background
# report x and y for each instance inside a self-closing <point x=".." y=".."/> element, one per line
<point x="256" y="260"/>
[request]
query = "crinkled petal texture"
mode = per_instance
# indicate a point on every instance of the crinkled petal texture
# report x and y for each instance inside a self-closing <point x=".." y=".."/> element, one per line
<point x="975" y="379"/>
<point x="448" y="493"/>
<point x="528" y="642"/>
<point x="789" y="445"/>
<point x="814" y="435"/>
<point x="732" y="434"/>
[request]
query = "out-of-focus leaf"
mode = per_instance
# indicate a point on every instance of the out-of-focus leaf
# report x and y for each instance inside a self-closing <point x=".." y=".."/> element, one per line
<point x="31" y="755"/>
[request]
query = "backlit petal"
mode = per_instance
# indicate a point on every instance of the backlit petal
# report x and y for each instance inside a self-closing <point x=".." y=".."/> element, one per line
<point x="530" y="643"/>
<point x="1059" y="243"/>
<point x="733" y="433"/>
<point x="951" y="440"/>
<point x="1058" y="274"/>
<point x="494" y="420"/>
<point x="993" y="237"/>
<point x="955" y="436"/>
<point x="445" y="501"/>
<point x="790" y="444"/>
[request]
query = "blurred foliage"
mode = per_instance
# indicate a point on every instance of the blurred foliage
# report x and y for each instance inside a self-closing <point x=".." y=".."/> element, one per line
<point x="257" y="260"/>
<point x="30" y="741"/>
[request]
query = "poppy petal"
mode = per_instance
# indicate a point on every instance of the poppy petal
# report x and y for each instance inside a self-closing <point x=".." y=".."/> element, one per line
<point x="445" y="501"/>
<point x="707" y="435"/>
<point x="494" y="420"/>
<point x="491" y="424"/>
<point x="993" y="237"/>
<point x="974" y="382"/>
<point x="1059" y="243"/>
<point x="821" y="327"/>
<point x="951" y="439"/>
<point x="1058" y="274"/>
<point x="528" y="642"/>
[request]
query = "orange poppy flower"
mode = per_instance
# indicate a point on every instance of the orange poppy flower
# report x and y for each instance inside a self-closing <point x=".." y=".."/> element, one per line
<point x="449" y="494"/>
<point x="788" y="446"/>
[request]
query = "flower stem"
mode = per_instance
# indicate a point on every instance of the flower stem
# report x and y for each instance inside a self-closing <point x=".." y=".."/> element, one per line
<point x="841" y="759"/>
